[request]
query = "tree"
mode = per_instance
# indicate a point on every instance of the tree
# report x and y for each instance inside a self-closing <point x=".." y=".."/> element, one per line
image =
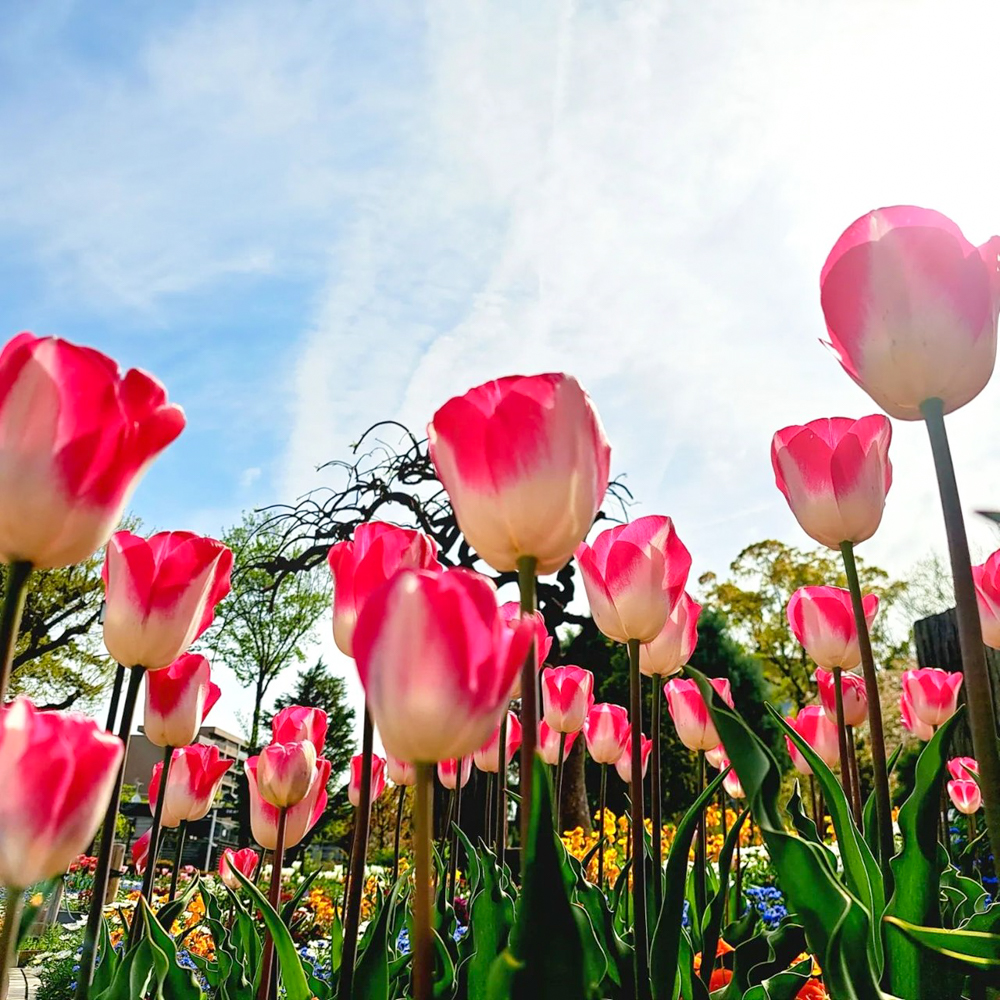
<point x="764" y="577"/>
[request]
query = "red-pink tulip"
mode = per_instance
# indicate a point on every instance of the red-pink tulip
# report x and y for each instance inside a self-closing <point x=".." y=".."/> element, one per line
<point x="75" y="439"/>
<point x="835" y="473"/>
<point x="911" y="722"/>
<point x="400" y="772"/>
<point x="487" y="757"/>
<point x="607" y="732"/>
<point x="140" y="852"/>
<point x="177" y="701"/>
<point x="933" y="693"/>
<point x="448" y="772"/>
<point x="822" y="619"/>
<point x="161" y="594"/>
<point x="690" y="713"/>
<point x="511" y="614"/>
<point x="525" y="462"/>
<point x="819" y="732"/>
<point x="300" y="722"/>
<point x="299" y="820"/>
<point x="285" y="772"/>
<point x="673" y="647"/>
<point x="911" y="309"/>
<point x="731" y="782"/>
<point x="362" y="565"/>
<point x="567" y="697"/>
<point x="855" y="697"/>
<point x="624" y="763"/>
<point x="987" y="580"/>
<point x="192" y="783"/>
<point x="634" y="575"/>
<point x="716" y="756"/>
<point x="965" y="795"/>
<point x="245" y="862"/>
<point x="377" y="780"/>
<point x="57" y="772"/>
<point x="437" y="662"/>
<point x="963" y="767"/>
<point x="548" y="744"/>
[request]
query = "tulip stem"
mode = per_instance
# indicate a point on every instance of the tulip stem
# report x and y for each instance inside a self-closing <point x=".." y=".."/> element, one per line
<point x="399" y="830"/>
<point x="500" y="837"/>
<point x="116" y="697"/>
<point x="422" y="944"/>
<point x="852" y="754"/>
<point x="559" y="782"/>
<point x="453" y="835"/>
<point x="488" y="817"/>
<point x="274" y="898"/>
<point x="700" y="861"/>
<point x="656" y="804"/>
<point x="600" y="826"/>
<point x="178" y="860"/>
<point x="638" y="827"/>
<point x="149" y="875"/>
<point x="979" y="697"/>
<point x="8" y="937"/>
<point x="845" y="760"/>
<point x="526" y="567"/>
<point x="10" y="619"/>
<point x="883" y="811"/>
<point x="102" y="872"/>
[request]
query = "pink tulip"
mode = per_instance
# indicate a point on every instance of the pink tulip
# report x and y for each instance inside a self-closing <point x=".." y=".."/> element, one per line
<point x="57" y="772"/>
<point x="607" y="733"/>
<point x="177" y="701"/>
<point x="511" y="614"/>
<point x="911" y="722"/>
<point x="300" y="722"/>
<point x="965" y="795"/>
<point x="548" y="744"/>
<point x="362" y="565"/>
<point x="822" y="619"/>
<point x="448" y="772"/>
<point x="525" y="462"/>
<point x="400" y="772"/>
<point x="285" y="772"/>
<point x="487" y="757"/>
<point x="911" y="309"/>
<point x="673" y="647"/>
<point x="690" y="714"/>
<point x="161" y="594"/>
<point x="193" y="782"/>
<point x="731" y="782"/>
<point x="819" y="732"/>
<point x="437" y="662"/>
<point x="245" y="862"/>
<point x="634" y="575"/>
<point x="567" y="697"/>
<point x="716" y="756"/>
<point x="354" y="785"/>
<point x="933" y="693"/>
<point x="75" y="439"/>
<point x="140" y="852"/>
<point x="855" y="697"/>
<point x="835" y="473"/>
<point x="299" y="820"/>
<point x="624" y="763"/>
<point x="987" y="580"/>
<point x="963" y="767"/>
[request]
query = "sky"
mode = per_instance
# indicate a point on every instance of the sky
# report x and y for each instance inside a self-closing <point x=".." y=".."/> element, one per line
<point x="305" y="217"/>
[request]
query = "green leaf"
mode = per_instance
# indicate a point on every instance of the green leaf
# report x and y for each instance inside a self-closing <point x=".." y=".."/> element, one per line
<point x="108" y="961"/>
<point x="31" y="909"/>
<point x="688" y="983"/>
<point x="804" y="825"/>
<point x="169" y="912"/>
<point x="132" y="977"/>
<point x="172" y="981"/>
<point x="868" y="816"/>
<point x="289" y="908"/>
<point x="976" y="950"/>
<point x="784" y="986"/>
<point x="371" y="976"/>
<point x="716" y="909"/>
<point x="491" y="916"/>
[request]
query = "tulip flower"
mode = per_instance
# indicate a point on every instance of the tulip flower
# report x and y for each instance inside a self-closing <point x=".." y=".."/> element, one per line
<point x="690" y="714"/>
<point x="525" y="462"/>
<point x="822" y="619"/>
<point x="400" y="772"/>
<point x="634" y="575"/>
<point x="819" y="732"/>
<point x="448" y="772"/>
<point x="192" y="783"/>
<point x="911" y="309"/>
<point x="965" y="795"/>
<point x="299" y="819"/>
<point x="548" y="744"/>
<point x="57" y="772"/>
<point x="987" y="580"/>
<point x="140" y="852"/>
<point x="911" y="722"/>
<point x="437" y="662"/>
<point x="731" y="782"/>
<point x="567" y="697"/>
<point x="716" y="756"/>
<point x="487" y="757"/>
<point x="835" y="473"/>
<point x="624" y="763"/>
<point x="245" y="862"/>
<point x="354" y="785"/>
<point x="285" y="772"/>
<point x="673" y="647"/>
<point x="76" y="436"/>
<point x="178" y="699"/>
<point x="855" y="697"/>
<point x="365" y="563"/>
<point x="511" y="614"/>
<point x="161" y="594"/>
<point x="963" y="767"/>
<point x="300" y="722"/>
<point x="606" y="732"/>
<point x="933" y="694"/>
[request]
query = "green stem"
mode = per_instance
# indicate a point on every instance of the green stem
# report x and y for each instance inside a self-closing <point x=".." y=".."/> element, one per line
<point x="500" y="835"/>
<point x="8" y="937"/>
<point x="488" y="814"/>
<point x="638" y="827"/>
<point x="979" y="696"/>
<point x="845" y="760"/>
<point x="600" y="826"/>
<point x="700" y="862"/>
<point x="559" y="781"/>
<point x="10" y="619"/>
<point x="422" y="944"/>
<point x="154" y="841"/>
<point x="852" y="755"/>
<point x="399" y="831"/>
<point x="274" y="898"/>
<point x="116" y="695"/>
<point x="656" y="793"/>
<point x="526" y="567"/>
<point x="179" y="860"/>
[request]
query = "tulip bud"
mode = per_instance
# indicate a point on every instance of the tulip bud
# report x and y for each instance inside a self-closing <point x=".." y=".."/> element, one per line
<point x="987" y="580"/>
<point x="690" y="714"/>
<point x="672" y="648"/>
<point x="487" y="757"/>
<point x="245" y="862"/>
<point x="822" y="619"/>
<point x="178" y="699"/>
<point x="716" y="756"/>
<point x="400" y="772"/>
<point x="140" y="852"/>
<point x="299" y="819"/>
<point x="819" y="732"/>
<point x="192" y="784"/>
<point x="448" y="772"/>
<point x="855" y="697"/>
<point x="285" y="772"/>
<point x="932" y="693"/>
<point x="354" y="785"/>
<point x="511" y="614"/>
<point x="607" y="732"/>
<point x="548" y="744"/>
<point x="624" y="763"/>
<point x="911" y="722"/>
<point x="567" y="697"/>
<point x="731" y="782"/>
<point x="965" y="795"/>
<point x="300" y="722"/>
<point x="963" y="767"/>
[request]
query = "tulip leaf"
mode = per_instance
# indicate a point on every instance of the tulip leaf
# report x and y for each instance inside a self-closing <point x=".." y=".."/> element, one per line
<point x="169" y="912"/>
<point x="371" y="977"/>
<point x="290" y="907"/>
<point x="760" y="956"/>
<point x="977" y="950"/>
<point x="716" y="909"/>
<point x="132" y="977"/>
<point x="868" y="817"/>
<point x="784" y="986"/>
<point x="688" y="982"/>
<point x="173" y="982"/>
<point x="491" y="916"/>
<point x="108" y="961"/>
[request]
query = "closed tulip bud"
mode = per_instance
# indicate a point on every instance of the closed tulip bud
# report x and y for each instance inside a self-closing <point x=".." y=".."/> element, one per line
<point x="511" y="614"/>
<point x="911" y="309"/>
<point x="400" y="772"/>
<point x="299" y="819"/>
<point x="911" y="722"/>
<point x="377" y="781"/>
<point x="691" y="717"/>
<point x="965" y="795"/>
<point x="567" y="697"/>
<point x="673" y="647"/>
<point x="963" y="767"/>
<point x="548" y="744"/>
<point x="607" y="732"/>
<point x="161" y="594"/>
<point x="140" y="852"/>
<point x="448" y="772"/>
<point x="624" y="763"/>
<point x="245" y="862"/>
<point x="933" y="693"/>
<point x="192" y="783"/>
<point x="835" y="473"/>
<point x="819" y="732"/>
<point x="75" y="439"/>
<point x="178" y="699"/>
<point x="300" y="722"/>
<point x="57" y="772"/>
<point x="365" y="563"/>
<point x="716" y="756"/>
<point x="855" y="697"/>
<point x="487" y="757"/>
<point x="731" y="782"/>
<point x="634" y="575"/>
<point x="987" y="580"/>
<point x="437" y="662"/>
<point x="285" y="772"/>
<point x="822" y="619"/>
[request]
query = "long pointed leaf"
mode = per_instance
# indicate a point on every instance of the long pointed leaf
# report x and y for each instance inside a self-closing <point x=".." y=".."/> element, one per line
<point x="716" y="909"/>
<point x="975" y="949"/>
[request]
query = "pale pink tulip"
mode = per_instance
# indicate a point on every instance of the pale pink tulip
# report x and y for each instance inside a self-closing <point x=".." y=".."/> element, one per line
<point x="177" y="701"/>
<point x="607" y="733"/>
<point x="933" y="693"/>
<point x="285" y="772"/>
<point x="245" y="862"/>
<point x="400" y="772"/>
<point x="567" y="697"/>
<point x="731" y="782"/>
<point x="624" y="763"/>
<point x="192" y="783"/>
<point x="377" y="779"/>
<point x="448" y="772"/>
<point x="715" y="757"/>
<point x="690" y="713"/>
<point x="487" y="757"/>
<point x="819" y="732"/>
<point x="300" y="722"/>
<point x="987" y="580"/>
<point x="511" y="614"/>
<point x="548" y="744"/>
<point x="822" y="619"/>
<point x="965" y="795"/>
<point x="911" y="722"/>
<point x="299" y="820"/>
<point x="672" y="648"/>
<point x="855" y="697"/>
<point x="963" y="767"/>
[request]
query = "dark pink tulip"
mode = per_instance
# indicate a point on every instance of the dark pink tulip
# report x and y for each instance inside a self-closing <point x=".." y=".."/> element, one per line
<point x="855" y="697"/>
<point x="607" y="733"/>
<point x="690" y="713"/>
<point x="299" y="820"/>
<point x="933" y="693"/>
<point x="76" y="436"/>
<point x="911" y="722"/>
<point x="911" y="309"/>
<point x="362" y="565"/>
<point x="525" y="462"/>
<point x="965" y="795"/>
<point x="822" y="619"/>
<point x="140" y="852"/>
<point x="245" y="862"/>
<point x="57" y="771"/>
<point x="437" y="662"/>
<point x="624" y="763"/>
<point x="634" y="575"/>
<point x="672" y="648"/>
<point x="731" y="782"/>
<point x="193" y="782"/>
<point x="400" y="772"/>
<point x="177" y="701"/>
<point x="511" y="614"/>
<point x="487" y="757"/>
<point x="161" y="594"/>
<point x="285" y="772"/>
<point x="987" y="580"/>
<point x="448" y="772"/>
<point x="567" y="697"/>
<point x="300" y="722"/>
<point x="963" y="767"/>
<point x="354" y="785"/>
<point x="819" y="732"/>
<point x="548" y="744"/>
<point x="835" y="473"/>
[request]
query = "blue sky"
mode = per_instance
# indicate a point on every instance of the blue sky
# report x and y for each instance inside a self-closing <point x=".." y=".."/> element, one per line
<point x="304" y="217"/>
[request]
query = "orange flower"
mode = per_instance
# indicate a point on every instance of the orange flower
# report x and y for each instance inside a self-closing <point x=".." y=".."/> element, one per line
<point x="813" y="990"/>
